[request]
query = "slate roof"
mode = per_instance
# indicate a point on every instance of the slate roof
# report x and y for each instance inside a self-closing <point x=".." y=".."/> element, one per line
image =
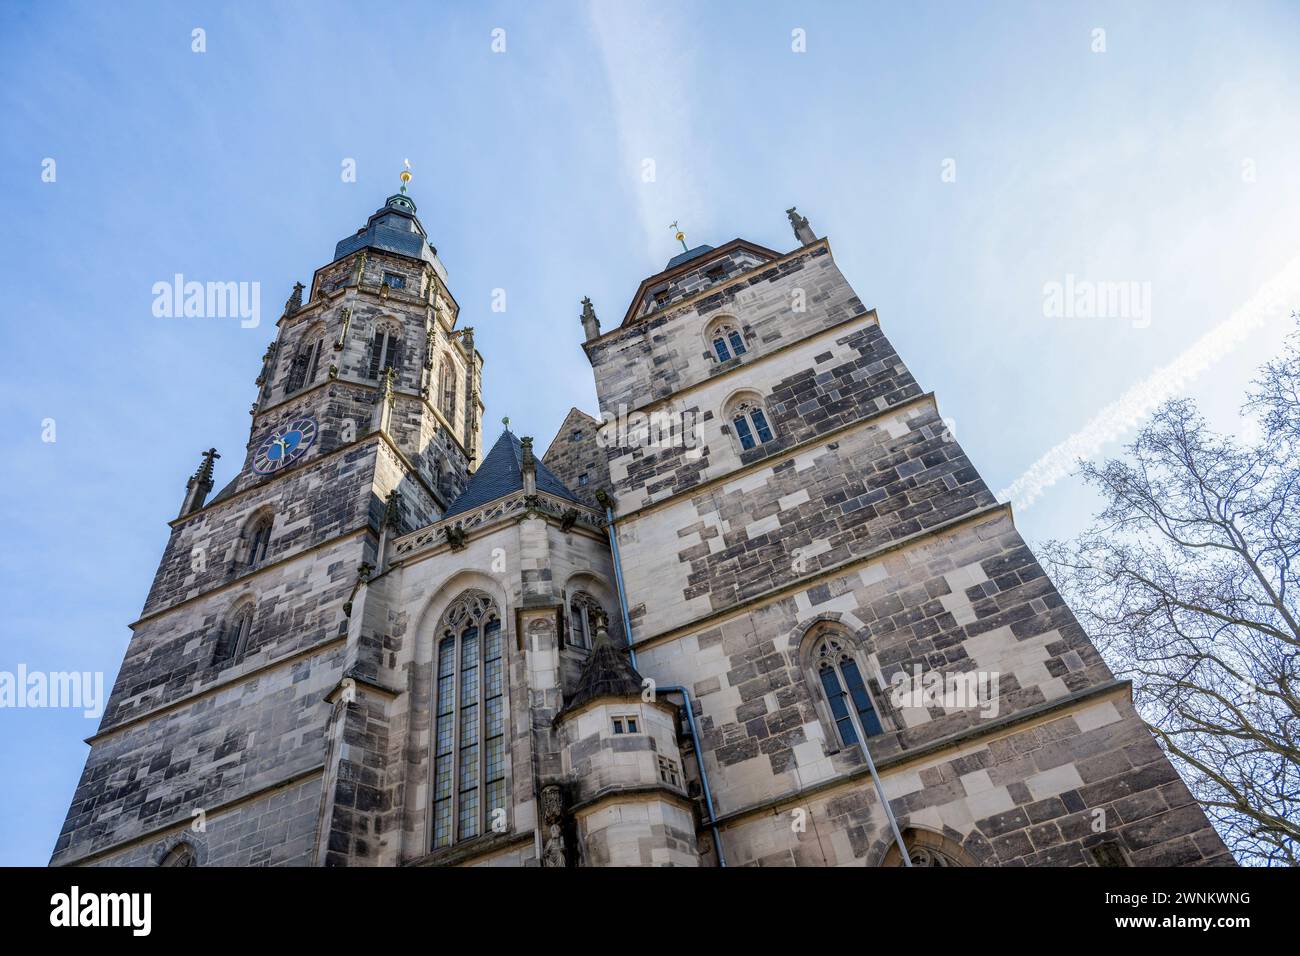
<point x="608" y="672"/>
<point x="500" y="475"/>
<point x="393" y="228"/>
<point x="687" y="256"/>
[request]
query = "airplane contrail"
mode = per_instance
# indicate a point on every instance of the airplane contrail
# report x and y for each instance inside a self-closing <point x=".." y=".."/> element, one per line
<point x="1139" y="401"/>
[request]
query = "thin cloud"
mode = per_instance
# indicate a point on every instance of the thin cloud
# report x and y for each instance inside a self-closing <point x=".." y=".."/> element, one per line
<point x="1271" y="301"/>
<point x="645" y="54"/>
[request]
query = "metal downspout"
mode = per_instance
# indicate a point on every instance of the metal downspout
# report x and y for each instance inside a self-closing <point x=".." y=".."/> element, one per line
<point x="690" y="709"/>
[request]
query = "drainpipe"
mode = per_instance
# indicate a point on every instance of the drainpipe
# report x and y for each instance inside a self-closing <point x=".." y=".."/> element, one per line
<point x="690" y="710"/>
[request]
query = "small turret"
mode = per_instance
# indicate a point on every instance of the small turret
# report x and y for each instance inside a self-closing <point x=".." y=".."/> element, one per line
<point x="199" y="485"/>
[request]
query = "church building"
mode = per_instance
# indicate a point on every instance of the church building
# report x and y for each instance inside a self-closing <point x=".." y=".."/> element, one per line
<point x="758" y="610"/>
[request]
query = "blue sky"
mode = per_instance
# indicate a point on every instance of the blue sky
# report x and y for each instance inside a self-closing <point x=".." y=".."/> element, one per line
<point x="1170" y="159"/>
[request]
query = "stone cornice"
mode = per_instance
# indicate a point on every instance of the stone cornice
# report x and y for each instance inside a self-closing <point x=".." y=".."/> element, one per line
<point x="431" y="539"/>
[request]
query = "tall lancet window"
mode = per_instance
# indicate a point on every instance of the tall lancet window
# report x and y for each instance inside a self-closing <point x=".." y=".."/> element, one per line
<point x="584" y="617"/>
<point x="305" y="363"/>
<point x="842" y="683"/>
<point x="447" y="374"/>
<point x="469" y="748"/>
<point x="385" y="351"/>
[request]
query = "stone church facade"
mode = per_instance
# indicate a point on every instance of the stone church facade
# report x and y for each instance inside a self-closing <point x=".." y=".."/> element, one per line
<point x="663" y="641"/>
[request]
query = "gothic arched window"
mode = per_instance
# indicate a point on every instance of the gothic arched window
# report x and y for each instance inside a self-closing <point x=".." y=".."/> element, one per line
<point x="447" y="386"/>
<point x="469" y="734"/>
<point x="302" y="371"/>
<point x="385" y="350"/>
<point x="182" y="854"/>
<point x="726" y="340"/>
<point x="235" y="635"/>
<point x="927" y="848"/>
<point x="585" y="613"/>
<point x="749" y="419"/>
<point x="843" y="688"/>
<point x="259" y="540"/>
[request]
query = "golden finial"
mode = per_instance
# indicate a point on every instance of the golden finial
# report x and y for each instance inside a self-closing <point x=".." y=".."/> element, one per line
<point x="681" y="236"/>
<point x="405" y="177"/>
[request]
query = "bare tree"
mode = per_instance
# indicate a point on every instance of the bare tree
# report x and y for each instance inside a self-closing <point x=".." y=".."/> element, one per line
<point x="1187" y="582"/>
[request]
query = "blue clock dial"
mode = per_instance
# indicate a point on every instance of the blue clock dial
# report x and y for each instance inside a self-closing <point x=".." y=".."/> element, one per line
<point x="285" y="445"/>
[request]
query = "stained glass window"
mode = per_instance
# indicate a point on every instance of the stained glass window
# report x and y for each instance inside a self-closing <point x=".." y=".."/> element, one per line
<point x="469" y="745"/>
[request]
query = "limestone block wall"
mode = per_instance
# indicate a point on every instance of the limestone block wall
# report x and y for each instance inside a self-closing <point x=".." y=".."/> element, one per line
<point x="626" y="831"/>
<point x="218" y="749"/>
<point x="1049" y="792"/>
<point x="896" y="476"/>
<point x="315" y="501"/>
<point x="597" y="760"/>
<point x="494" y="560"/>
<point x="570" y="460"/>
<point x="298" y="604"/>
<point x="278" y="828"/>
<point x="661" y="354"/>
<point x="971" y="602"/>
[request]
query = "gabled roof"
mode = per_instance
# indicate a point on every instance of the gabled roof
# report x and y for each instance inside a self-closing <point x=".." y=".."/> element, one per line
<point x="685" y="262"/>
<point x="576" y="417"/>
<point x="501" y="474"/>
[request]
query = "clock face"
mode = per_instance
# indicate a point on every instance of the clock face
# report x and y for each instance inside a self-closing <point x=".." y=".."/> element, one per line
<point x="284" y="446"/>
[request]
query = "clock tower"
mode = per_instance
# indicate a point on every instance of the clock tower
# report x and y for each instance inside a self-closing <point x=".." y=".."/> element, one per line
<point x="366" y="423"/>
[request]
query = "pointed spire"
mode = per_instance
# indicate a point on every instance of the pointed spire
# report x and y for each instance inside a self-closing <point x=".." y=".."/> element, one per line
<point x="608" y="672"/>
<point x="294" y="302"/>
<point x="590" y="324"/>
<point x="802" y="231"/>
<point x="528" y="465"/>
<point x="200" y="484"/>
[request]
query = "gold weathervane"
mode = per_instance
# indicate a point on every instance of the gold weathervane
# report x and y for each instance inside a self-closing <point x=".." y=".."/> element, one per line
<point x="681" y="236"/>
<point x="405" y="177"/>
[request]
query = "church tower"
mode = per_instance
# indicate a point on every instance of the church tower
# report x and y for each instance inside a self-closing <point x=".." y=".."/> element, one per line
<point x="366" y="423"/>
<point x="806" y="549"/>
<point x="763" y="611"/>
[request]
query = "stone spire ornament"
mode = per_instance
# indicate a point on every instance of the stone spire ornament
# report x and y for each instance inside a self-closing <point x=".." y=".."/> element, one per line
<point x="590" y="324"/>
<point x="802" y="231"/>
<point x="294" y="302"/>
<point x="200" y="484"/>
